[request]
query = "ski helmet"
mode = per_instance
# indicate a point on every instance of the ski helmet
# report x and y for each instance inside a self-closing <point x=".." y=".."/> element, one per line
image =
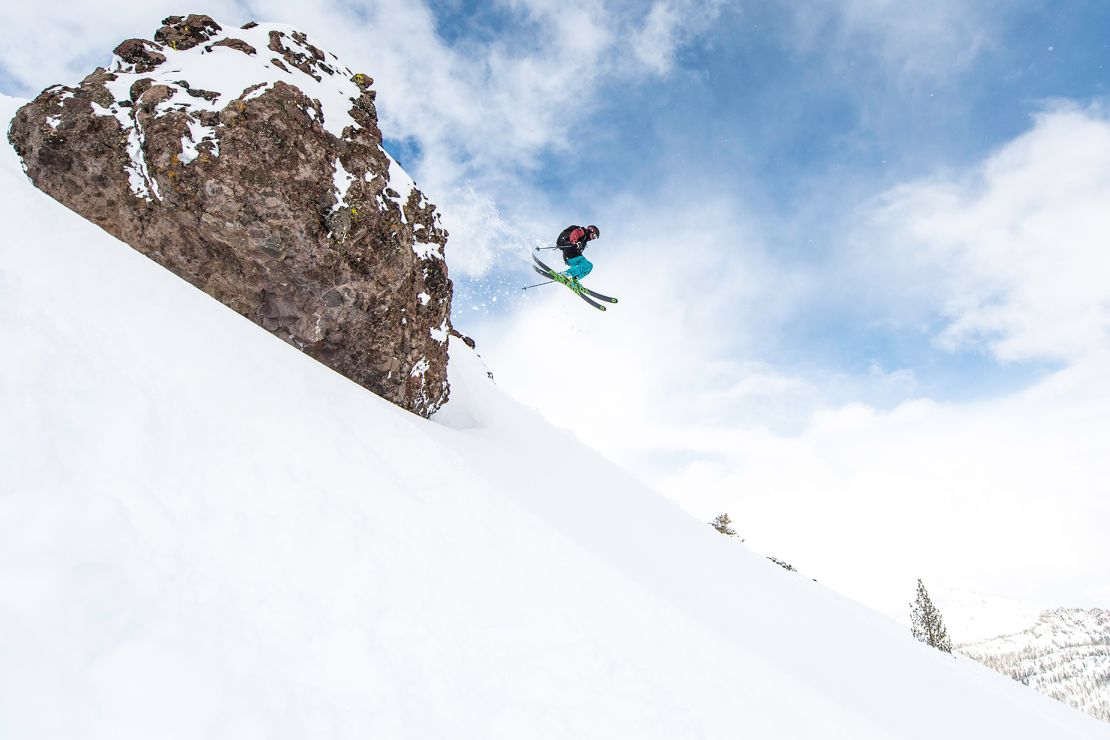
<point x="594" y="233"/>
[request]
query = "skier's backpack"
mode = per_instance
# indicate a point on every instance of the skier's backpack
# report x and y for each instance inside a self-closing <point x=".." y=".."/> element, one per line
<point x="564" y="237"/>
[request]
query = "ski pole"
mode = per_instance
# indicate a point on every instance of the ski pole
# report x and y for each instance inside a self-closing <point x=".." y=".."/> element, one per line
<point x="526" y="287"/>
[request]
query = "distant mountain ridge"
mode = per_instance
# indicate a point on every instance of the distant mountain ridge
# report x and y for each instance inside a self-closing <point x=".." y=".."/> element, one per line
<point x="1065" y="654"/>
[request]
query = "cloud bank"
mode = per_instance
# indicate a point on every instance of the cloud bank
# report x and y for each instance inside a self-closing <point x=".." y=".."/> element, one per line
<point x="1017" y="246"/>
<point x="1007" y="494"/>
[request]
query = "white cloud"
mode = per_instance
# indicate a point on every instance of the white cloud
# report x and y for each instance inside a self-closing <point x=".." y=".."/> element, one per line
<point x="668" y="25"/>
<point x="1009" y="495"/>
<point x="913" y="41"/>
<point x="1016" y="251"/>
<point x="655" y="44"/>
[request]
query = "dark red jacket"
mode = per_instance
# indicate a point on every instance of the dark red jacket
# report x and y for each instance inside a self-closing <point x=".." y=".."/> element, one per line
<point x="572" y="240"/>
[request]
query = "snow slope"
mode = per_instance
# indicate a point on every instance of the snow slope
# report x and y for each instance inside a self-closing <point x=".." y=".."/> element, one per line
<point x="204" y="533"/>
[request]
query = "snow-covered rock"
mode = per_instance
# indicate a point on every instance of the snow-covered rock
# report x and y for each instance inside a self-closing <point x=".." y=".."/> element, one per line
<point x="249" y="162"/>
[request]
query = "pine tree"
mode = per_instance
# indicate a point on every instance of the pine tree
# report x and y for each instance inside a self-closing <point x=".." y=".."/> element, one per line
<point x="926" y="623"/>
<point x="723" y="524"/>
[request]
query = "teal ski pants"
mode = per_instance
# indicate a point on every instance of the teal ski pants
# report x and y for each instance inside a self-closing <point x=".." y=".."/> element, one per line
<point x="579" y="266"/>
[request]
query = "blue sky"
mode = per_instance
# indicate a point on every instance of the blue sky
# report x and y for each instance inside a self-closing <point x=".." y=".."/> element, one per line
<point x="803" y="131"/>
<point x="860" y="249"/>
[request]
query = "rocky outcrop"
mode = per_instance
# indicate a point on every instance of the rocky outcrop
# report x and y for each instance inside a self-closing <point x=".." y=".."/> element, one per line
<point x="249" y="162"/>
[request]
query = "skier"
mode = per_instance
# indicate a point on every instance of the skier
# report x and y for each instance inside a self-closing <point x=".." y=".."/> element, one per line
<point x="572" y="242"/>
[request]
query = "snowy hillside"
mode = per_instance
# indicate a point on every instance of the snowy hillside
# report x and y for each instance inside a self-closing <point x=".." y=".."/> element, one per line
<point x="206" y="534"/>
<point x="1065" y="654"/>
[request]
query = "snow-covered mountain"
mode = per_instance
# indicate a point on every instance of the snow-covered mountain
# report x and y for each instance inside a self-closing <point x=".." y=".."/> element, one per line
<point x="1064" y="654"/>
<point x="205" y="533"/>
